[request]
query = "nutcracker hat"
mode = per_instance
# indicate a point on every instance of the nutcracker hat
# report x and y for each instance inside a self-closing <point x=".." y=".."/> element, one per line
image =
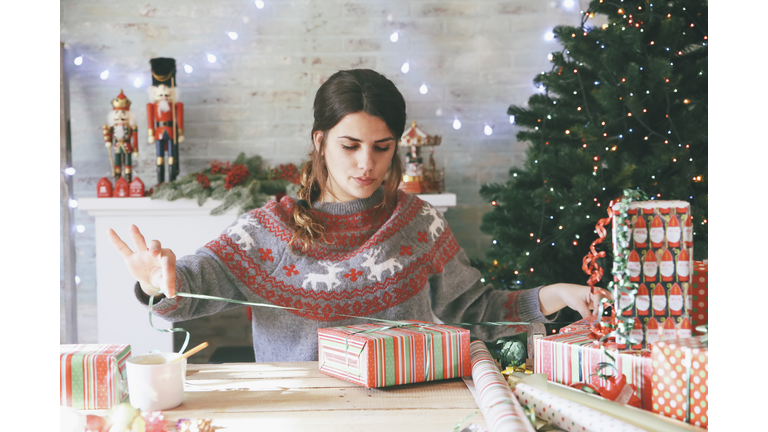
<point x="121" y="102"/>
<point x="163" y="69"/>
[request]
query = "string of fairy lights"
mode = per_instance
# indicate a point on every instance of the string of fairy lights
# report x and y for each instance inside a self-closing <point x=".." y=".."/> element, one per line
<point x="632" y="24"/>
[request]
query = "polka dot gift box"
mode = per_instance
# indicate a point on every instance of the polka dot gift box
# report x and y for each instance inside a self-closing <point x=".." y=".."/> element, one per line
<point x="93" y="376"/>
<point x="700" y="293"/>
<point x="681" y="379"/>
<point x="375" y="355"/>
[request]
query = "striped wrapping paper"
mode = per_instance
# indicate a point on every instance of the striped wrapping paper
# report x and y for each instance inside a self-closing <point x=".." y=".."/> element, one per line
<point x="569" y="415"/>
<point x="374" y="355"/>
<point x="499" y="406"/>
<point x="93" y="376"/>
<point x="572" y="357"/>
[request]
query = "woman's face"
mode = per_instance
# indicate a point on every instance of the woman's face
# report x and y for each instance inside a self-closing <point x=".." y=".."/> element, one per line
<point x="357" y="152"/>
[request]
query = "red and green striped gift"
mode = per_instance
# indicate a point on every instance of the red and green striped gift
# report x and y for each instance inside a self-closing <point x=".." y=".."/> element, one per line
<point x="573" y="357"/>
<point x="376" y="355"/>
<point x="93" y="376"/>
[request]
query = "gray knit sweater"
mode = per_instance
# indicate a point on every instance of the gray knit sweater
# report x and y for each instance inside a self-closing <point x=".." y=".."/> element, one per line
<point x="398" y="262"/>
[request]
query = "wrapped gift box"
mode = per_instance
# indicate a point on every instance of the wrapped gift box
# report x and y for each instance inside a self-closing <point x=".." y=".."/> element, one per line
<point x="93" y="376"/>
<point x="573" y="357"/>
<point x="699" y="304"/>
<point x="660" y="260"/>
<point x="681" y="379"/>
<point x="375" y="355"/>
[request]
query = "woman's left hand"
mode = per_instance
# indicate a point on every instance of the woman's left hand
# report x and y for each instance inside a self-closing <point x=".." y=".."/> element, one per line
<point x="554" y="297"/>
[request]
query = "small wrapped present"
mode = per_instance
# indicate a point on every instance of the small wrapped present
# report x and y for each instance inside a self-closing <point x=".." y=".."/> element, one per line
<point x="698" y="299"/>
<point x="574" y="357"/>
<point x="93" y="376"/>
<point x="681" y="380"/>
<point x="376" y="355"/>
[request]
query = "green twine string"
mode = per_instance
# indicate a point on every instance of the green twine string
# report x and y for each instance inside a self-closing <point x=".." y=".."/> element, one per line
<point x="171" y="330"/>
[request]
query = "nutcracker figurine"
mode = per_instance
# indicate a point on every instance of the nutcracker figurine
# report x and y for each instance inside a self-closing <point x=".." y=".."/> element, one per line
<point x="120" y="134"/>
<point x="165" y="117"/>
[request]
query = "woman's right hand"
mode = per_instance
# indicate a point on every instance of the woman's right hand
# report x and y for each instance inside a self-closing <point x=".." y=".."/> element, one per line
<point x="153" y="266"/>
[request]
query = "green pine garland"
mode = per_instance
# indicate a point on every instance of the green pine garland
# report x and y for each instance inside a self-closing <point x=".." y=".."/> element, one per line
<point x="244" y="184"/>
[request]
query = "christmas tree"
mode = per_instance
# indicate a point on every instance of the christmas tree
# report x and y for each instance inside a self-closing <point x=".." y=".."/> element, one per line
<point x="624" y="106"/>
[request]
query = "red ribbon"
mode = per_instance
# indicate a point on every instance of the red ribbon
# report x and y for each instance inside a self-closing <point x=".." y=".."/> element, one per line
<point x="595" y="272"/>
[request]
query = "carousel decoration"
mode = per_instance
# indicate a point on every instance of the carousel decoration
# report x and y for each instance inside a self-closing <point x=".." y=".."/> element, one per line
<point x="418" y="177"/>
<point x="165" y="117"/>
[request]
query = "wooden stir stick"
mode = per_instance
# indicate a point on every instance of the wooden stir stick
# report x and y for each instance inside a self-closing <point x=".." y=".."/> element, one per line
<point x="192" y="351"/>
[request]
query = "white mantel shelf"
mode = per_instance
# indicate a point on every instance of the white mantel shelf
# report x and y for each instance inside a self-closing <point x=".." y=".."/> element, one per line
<point x="181" y="225"/>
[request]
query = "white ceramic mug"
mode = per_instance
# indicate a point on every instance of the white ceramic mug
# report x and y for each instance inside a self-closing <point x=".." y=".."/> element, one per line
<point x="155" y="382"/>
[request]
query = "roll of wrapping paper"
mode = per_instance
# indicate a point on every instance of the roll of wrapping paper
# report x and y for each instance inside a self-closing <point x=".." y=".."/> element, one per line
<point x="499" y="406"/>
<point x="633" y="417"/>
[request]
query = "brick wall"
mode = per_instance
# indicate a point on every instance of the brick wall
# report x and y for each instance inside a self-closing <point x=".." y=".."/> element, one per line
<point x="476" y="57"/>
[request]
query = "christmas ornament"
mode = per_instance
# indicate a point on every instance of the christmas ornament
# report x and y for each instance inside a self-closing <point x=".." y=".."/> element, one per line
<point x="419" y="178"/>
<point x="104" y="188"/>
<point x="120" y="136"/>
<point x="121" y="188"/>
<point x="165" y="117"/>
<point x="194" y="425"/>
<point x="136" y="188"/>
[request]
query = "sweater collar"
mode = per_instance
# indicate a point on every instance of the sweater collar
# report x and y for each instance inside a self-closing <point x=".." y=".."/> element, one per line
<point x="350" y="207"/>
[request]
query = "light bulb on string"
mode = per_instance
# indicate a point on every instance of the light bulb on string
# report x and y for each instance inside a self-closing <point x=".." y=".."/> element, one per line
<point x="211" y="58"/>
<point x="423" y="89"/>
<point x="568" y="3"/>
<point x="549" y="36"/>
<point x="104" y="75"/>
<point x="512" y="119"/>
<point x="488" y="130"/>
<point x="187" y="68"/>
<point x="77" y="280"/>
<point x="70" y="171"/>
<point x="405" y="67"/>
<point x="137" y="82"/>
<point x="80" y="228"/>
<point x="78" y="60"/>
<point x="394" y="37"/>
<point x="259" y="4"/>
<point x="456" y="124"/>
<point x="73" y="203"/>
<point x="232" y="35"/>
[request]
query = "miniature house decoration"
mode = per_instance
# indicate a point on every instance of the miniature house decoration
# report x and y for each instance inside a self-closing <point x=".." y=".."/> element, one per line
<point x="418" y="177"/>
<point x="104" y="188"/>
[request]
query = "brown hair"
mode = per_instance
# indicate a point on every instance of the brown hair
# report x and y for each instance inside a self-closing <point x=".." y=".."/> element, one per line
<point x="346" y="92"/>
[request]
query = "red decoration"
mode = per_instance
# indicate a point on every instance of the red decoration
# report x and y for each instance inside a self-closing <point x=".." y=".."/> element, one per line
<point x="287" y="172"/>
<point x="219" y="168"/>
<point x="121" y="188"/>
<point x="104" y="188"/>
<point x="136" y="188"/>
<point x="203" y="180"/>
<point x="236" y="175"/>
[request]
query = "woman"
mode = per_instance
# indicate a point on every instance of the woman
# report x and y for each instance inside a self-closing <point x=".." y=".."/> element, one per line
<point x="350" y="243"/>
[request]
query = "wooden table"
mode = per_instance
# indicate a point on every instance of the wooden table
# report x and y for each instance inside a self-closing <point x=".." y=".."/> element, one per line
<point x="296" y="397"/>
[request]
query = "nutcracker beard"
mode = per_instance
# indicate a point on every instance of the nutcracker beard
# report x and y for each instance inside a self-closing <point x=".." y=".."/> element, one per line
<point x="163" y="105"/>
